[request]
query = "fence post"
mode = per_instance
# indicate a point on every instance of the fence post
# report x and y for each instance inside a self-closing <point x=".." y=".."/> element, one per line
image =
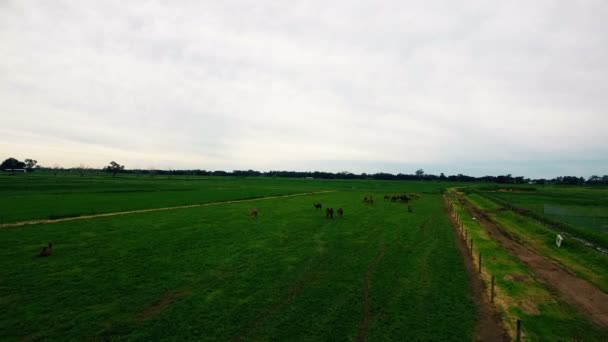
<point x="492" y="295"/>
<point x="479" y="261"/>
<point x="518" y="336"/>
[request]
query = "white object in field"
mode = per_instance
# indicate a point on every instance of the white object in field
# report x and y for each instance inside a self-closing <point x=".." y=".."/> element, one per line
<point x="474" y="218"/>
<point x="558" y="240"/>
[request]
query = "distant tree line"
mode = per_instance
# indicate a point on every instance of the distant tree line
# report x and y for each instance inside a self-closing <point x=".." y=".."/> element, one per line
<point x="115" y="168"/>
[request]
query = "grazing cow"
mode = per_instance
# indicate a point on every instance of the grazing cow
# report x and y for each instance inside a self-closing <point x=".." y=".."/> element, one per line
<point x="371" y="200"/>
<point x="317" y="206"/>
<point x="329" y="213"/>
<point x="253" y="212"/>
<point x="340" y="212"/>
<point x="386" y="197"/>
<point x="46" y="251"/>
<point x="365" y="200"/>
<point x="394" y="198"/>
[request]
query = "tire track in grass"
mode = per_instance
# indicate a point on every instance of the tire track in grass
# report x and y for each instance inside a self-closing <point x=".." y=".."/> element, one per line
<point x="366" y="317"/>
<point x="309" y="276"/>
<point x="140" y="211"/>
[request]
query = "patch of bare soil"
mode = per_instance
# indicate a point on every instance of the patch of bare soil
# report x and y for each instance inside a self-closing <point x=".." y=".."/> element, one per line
<point x="587" y="298"/>
<point x="529" y="307"/>
<point x="366" y="317"/>
<point x="489" y="323"/>
<point x="515" y="277"/>
<point x="162" y="304"/>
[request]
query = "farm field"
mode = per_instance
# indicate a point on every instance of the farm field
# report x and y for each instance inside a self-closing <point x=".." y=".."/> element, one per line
<point x="214" y="273"/>
<point x="539" y="231"/>
<point x="520" y="293"/>
<point x="580" y="211"/>
<point x="36" y="197"/>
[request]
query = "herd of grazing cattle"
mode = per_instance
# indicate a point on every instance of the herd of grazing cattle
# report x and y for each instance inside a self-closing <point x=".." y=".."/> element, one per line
<point x="368" y="200"/>
<point x="329" y="213"/>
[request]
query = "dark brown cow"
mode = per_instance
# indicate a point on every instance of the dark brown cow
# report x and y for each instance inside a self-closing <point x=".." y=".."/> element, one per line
<point x="253" y="212"/>
<point x="46" y="251"/>
<point x="329" y="213"/>
<point x="340" y="212"/>
<point x="317" y="206"/>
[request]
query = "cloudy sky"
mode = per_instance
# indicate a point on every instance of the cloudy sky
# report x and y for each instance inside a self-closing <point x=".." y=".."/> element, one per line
<point x="475" y="87"/>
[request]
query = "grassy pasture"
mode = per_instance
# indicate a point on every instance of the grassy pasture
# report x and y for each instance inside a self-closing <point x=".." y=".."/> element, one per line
<point x="44" y="196"/>
<point x="213" y="273"/>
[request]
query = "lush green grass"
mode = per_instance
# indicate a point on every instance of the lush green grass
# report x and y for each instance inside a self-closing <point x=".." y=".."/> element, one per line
<point x="521" y="296"/>
<point x="44" y="196"/>
<point x="214" y="273"/>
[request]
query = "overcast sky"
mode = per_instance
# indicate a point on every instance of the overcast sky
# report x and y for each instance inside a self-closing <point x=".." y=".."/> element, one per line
<point x="475" y="87"/>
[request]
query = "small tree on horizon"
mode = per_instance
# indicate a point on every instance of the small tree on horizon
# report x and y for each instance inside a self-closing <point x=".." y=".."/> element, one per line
<point x="114" y="167"/>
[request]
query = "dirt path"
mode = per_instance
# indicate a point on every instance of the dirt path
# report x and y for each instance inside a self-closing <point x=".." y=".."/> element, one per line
<point x="489" y="323"/>
<point x="139" y="211"/>
<point x="587" y="298"/>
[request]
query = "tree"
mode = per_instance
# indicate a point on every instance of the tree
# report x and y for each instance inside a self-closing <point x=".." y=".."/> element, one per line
<point x="12" y="164"/>
<point x="114" y="167"/>
<point x="420" y="173"/>
<point x="29" y="164"/>
<point x="442" y="177"/>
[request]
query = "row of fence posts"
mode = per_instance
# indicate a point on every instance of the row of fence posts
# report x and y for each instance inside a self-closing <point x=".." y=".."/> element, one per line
<point x="463" y="233"/>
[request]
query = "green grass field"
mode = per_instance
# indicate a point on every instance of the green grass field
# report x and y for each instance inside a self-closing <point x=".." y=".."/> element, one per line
<point x="213" y="273"/>
<point x="44" y="196"/>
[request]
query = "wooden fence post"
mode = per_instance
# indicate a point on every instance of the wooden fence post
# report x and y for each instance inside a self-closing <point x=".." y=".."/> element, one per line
<point x="518" y="335"/>
<point x="492" y="293"/>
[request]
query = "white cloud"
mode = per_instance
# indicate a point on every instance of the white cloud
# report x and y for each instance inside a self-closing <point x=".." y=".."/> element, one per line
<point x="240" y="84"/>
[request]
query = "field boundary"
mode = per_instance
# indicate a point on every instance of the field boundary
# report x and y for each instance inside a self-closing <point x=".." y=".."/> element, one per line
<point x="580" y="293"/>
<point x="490" y="325"/>
<point x="140" y="211"/>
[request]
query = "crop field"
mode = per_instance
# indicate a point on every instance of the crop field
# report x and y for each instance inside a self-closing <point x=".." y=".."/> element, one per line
<point x="215" y="273"/>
